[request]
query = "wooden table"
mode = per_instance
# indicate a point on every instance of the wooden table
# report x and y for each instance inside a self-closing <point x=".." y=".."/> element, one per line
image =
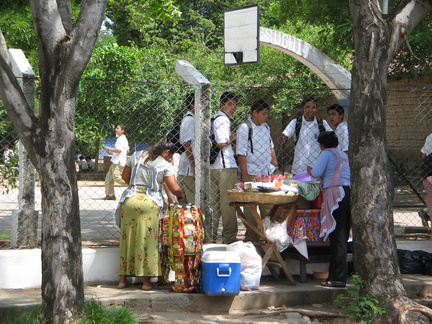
<point x="259" y="239"/>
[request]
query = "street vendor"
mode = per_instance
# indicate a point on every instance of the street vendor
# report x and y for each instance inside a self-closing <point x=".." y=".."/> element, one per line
<point x="333" y="167"/>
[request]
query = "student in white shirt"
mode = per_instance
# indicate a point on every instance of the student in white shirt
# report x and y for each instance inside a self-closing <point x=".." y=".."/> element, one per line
<point x="426" y="151"/>
<point x="307" y="149"/>
<point x="186" y="170"/>
<point x="255" y="151"/>
<point x="7" y="154"/>
<point x="118" y="161"/>
<point x="336" y="115"/>
<point x="223" y="174"/>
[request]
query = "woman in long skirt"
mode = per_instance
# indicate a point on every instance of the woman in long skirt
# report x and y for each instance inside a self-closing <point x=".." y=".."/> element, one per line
<point x="141" y="204"/>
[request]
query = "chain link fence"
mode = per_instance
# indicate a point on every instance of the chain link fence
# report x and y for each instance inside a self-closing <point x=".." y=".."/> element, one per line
<point x="150" y="110"/>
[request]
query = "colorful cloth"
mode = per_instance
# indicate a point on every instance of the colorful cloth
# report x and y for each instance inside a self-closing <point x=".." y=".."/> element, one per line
<point x="181" y="244"/>
<point x="305" y="225"/>
<point x="139" y="254"/>
<point x="309" y="190"/>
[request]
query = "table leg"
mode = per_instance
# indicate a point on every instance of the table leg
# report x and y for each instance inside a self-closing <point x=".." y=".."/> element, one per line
<point x="259" y="240"/>
<point x="283" y="264"/>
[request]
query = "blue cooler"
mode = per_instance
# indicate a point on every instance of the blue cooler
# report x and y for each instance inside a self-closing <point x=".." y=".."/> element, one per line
<point x="220" y="273"/>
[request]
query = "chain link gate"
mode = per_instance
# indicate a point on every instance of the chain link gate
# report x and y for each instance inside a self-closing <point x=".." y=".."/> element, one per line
<point x="150" y="110"/>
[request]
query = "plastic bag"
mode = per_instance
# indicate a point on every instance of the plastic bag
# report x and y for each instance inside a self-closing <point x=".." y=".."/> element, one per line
<point x="251" y="264"/>
<point x="277" y="232"/>
<point x="413" y="261"/>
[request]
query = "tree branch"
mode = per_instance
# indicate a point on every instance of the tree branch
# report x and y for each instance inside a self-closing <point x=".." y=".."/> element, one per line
<point x="19" y="111"/>
<point x="65" y="11"/>
<point x="404" y="18"/>
<point x="93" y="11"/>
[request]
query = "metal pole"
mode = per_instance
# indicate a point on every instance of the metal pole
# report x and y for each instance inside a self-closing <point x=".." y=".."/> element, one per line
<point x="202" y="130"/>
<point x="202" y="145"/>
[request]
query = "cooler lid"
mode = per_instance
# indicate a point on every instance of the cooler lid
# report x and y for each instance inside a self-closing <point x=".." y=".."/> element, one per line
<point x="212" y="256"/>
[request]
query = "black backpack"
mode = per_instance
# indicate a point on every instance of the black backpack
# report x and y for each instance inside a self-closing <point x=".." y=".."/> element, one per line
<point x="173" y="135"/>
<point x="214" y="147"/>
<point x="299" y="124"/>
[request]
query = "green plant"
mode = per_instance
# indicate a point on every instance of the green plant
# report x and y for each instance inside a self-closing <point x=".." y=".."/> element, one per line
<point x="4" y="236"/>
<point x="359" y="307"/>
<point x="94" y="313"/>
<point x="32" y="315"/>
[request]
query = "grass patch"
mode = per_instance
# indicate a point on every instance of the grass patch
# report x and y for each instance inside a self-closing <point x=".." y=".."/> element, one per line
<point x="4" y="236"/>
<point x="94" y="313"/>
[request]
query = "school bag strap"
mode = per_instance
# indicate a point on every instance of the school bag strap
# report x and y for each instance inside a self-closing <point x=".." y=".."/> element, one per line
<point x="298" y="126"/>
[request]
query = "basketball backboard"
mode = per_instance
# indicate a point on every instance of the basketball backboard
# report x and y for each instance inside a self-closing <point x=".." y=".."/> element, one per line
<point x="241" y="35"/>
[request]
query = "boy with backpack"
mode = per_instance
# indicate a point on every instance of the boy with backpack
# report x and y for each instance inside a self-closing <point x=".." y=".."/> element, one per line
<point x="223" y="174"/>
<point x="255" y="148"/>
<point x="255" y="151"/>
<point x="305" y="131"/>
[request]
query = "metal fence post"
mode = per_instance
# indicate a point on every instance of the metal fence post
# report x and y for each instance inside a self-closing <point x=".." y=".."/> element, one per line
<point x="202" y="121"/>
<point x="25" y="219"/>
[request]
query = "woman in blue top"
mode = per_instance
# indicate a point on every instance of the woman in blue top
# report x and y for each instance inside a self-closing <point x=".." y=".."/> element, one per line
<point x="333" y="167"/>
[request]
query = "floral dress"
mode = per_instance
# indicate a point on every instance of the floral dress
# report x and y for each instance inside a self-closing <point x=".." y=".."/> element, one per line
<point x="139" y="214"/>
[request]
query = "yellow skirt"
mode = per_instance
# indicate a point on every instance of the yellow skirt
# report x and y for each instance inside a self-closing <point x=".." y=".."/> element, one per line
<point x="139" y="255"/>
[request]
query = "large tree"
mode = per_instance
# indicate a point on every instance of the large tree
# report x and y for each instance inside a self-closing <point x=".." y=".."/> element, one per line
<point x="64" y="51"/>
<point x="377" y="37"/>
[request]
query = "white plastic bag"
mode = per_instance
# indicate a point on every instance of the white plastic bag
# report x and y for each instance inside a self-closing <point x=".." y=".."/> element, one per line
<point x="251" y="264"/>
<point x="277" y="232"/>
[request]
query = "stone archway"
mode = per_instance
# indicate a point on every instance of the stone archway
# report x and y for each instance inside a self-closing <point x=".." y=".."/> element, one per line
<point x="336" y="77"/>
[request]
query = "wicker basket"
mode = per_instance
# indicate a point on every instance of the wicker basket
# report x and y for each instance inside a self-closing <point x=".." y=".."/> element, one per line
<point x="262" y="197"/>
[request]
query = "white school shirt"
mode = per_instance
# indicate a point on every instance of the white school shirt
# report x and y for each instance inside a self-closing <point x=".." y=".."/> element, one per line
<point x="187" y="133"/>
<point x="222" y="131"/>
<point x="343" y="137"/>
<point x="307" y="149"/>
<point x="258" y="162"/>
<point x="427" y="147"/>
<point x="121" y="144"/>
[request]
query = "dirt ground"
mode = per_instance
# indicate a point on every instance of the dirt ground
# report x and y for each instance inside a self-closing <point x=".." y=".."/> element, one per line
<point x="317" y="313"/>
<point x="325" y="314"/>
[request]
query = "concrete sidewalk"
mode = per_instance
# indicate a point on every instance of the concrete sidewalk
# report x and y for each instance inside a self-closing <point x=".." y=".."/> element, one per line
<point x="162" y="299"/>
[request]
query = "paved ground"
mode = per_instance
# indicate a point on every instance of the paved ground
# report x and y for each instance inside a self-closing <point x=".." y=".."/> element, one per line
<point x="269" y="303"/>
<point x="96" y="214"/>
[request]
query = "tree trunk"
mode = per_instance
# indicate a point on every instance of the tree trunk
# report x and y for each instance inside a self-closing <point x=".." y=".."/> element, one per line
<point x="62" y="274"/>
<point x="374" y="242"/>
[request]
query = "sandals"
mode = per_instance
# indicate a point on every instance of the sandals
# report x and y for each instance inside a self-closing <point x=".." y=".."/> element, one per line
<point x="150" y="288"/>
<point x="334" y="284"/>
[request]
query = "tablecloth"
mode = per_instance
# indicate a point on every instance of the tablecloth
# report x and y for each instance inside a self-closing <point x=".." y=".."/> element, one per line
<point x="304" y="225"/>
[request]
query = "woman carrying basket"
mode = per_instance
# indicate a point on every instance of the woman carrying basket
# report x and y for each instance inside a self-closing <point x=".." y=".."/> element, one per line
<point x="139" y="212"/>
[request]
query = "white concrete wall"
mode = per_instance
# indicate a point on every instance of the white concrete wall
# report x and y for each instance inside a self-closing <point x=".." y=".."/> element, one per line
<point x="22" y="268"/>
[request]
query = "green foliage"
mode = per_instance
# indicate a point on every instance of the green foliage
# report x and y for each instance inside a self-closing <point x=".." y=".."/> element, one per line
<point x="132" y="21"/>
<point x="360" y="307"/>
<point x="32" y="315"/>
<point x="94" y="313"/>
<point x="4" y="236"/>
<point x="103" y="101"/>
